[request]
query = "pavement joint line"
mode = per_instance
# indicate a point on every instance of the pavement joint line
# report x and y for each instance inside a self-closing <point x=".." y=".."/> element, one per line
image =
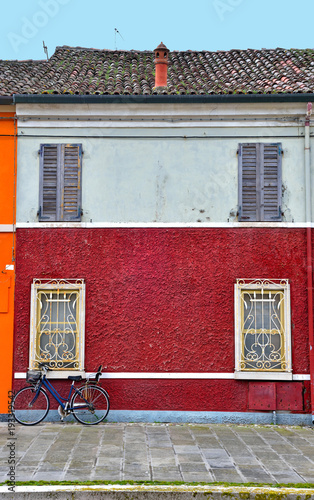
<point x="201" y="454"/>
<point x="97" y="455"/>
<point x="274" y="451"/>
<point x="254" y="455"/>
<point x="291" y="444"/>
<point x="287" y="441"/>
<point x="122" y="468"/>
<point x="72" y="453"/>
<point x="280" y="457"/>
<point x="149" y="455"/>
<point x="177" y="461"/>
<point x="231" y="458"/>
<point x="34" y="439"/>
<point x="258" y="490"/>
<point x="42" y="460"/>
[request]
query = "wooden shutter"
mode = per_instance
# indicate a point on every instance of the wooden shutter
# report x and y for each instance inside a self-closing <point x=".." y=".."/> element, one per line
<point x="247" y="182"/>
<point x="272" y="182"/>
<point x="260" y="182"/>
<point x="71" y="188"/>
<point x="60" y="182"/>
<point x="49" y="189"/>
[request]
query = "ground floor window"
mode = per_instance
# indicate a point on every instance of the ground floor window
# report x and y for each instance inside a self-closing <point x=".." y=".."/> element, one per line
<point x="262" y="326"/>
<point x="57" y="324"/>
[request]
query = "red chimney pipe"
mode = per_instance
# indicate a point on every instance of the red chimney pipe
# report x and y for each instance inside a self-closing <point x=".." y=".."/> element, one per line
<point x="161" y="65"/>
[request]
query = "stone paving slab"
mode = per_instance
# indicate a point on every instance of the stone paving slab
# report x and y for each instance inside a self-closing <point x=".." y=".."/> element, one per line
<point x="159" y="452"/>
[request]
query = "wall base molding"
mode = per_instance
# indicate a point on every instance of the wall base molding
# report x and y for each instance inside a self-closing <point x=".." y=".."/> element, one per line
<point x="198" y="417"/>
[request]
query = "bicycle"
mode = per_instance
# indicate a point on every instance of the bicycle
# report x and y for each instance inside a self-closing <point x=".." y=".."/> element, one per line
<point x="89" y="404"/>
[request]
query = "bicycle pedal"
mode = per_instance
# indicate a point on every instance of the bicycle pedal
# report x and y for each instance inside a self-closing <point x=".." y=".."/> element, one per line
<point x="62" y="413"/>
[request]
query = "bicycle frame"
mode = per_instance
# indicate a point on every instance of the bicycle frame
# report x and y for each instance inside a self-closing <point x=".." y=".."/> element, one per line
<point x="65" y="405"/>
<point x="88" y="403"/>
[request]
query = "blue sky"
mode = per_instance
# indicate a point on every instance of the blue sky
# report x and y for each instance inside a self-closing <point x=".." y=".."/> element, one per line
<point x="142" y="25"/>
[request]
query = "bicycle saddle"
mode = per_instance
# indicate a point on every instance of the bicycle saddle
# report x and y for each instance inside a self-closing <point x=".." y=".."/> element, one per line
<point x="76" y="378"/>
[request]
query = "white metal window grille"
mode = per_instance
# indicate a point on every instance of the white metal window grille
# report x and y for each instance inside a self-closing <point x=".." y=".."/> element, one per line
<point x="262" y="325"/>
<point x="57" y="324"/>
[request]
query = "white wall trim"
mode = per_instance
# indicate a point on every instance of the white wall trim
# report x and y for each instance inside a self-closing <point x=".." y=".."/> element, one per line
<point x="199" y="225"/>
<point x="146" y="123"/>
<point x="168" y="375"/>
<point x="154" y="375"/>
<point x="156" y="111"/>
<point x="296" y="377"/>
<point x="7" y="228"/>
<point x="263" y="376"/>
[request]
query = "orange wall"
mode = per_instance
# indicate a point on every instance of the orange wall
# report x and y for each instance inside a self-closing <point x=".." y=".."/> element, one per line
<point x="7" y="252"/>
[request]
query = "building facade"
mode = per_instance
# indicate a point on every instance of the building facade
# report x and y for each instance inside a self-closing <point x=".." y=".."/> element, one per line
<point x="167" y="237"/>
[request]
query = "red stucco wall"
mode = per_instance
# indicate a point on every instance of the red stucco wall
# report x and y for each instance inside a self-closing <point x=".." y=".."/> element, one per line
<point x="162" y="300"/>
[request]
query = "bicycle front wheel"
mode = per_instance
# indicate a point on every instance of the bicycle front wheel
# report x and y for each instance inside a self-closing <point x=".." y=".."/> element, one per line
<point x="90" y="405"/>
<point x="29" y="406"/>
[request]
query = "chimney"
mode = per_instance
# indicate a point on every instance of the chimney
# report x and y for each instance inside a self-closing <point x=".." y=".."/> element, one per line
<point x="161" y="65"/>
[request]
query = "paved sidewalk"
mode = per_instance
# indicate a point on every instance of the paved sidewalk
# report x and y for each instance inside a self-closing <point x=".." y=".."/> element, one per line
<point x="159" y="452"/>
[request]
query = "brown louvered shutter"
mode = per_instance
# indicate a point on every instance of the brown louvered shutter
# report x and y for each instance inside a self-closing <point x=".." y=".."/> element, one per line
<point x="60" y="182"/>
<point x="48" y="186"/>
<point x="272" y="182"/>
<point x="260" y="182"/>
<point x="71" y="188"/>
<point x="247" y="182"/>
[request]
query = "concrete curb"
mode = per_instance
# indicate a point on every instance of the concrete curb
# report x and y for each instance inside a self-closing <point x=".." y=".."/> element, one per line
<point x="159" y="492"/>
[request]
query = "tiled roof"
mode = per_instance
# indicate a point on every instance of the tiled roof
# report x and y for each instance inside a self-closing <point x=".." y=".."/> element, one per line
<point x="90" y="71"/>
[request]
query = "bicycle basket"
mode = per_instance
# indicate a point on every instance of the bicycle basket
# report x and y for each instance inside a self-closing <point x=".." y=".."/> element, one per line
<point x="33" y="376"/>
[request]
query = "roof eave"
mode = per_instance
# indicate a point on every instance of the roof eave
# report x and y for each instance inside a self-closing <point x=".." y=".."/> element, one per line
<point x="143" y="99"/>
<point x="4" y="100"/>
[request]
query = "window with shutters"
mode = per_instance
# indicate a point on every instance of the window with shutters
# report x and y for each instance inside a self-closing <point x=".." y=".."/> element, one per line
<point x="262" y="328"/>
<point x="57" y="324"/>
<point x="260" y="182"/>
<point x="60" y="182"/>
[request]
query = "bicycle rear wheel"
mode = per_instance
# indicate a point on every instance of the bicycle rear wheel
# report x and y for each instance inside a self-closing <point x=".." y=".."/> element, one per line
<point x="29" y="409"/>
<point x="90" y="406"/>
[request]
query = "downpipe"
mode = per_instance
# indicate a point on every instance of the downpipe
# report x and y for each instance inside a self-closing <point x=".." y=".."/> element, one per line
<point x="310" y="312"/>
<point x="308" y="202"/>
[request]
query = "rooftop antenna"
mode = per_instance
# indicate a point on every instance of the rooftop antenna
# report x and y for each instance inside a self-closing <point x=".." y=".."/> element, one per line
<point x="45" y="49"/>
<point x="115" y="37"/>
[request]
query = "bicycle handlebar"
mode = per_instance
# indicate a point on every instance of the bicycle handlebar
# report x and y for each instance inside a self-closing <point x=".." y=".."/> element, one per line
<point x="45" y="368"/>
<point x="98" y="374"/>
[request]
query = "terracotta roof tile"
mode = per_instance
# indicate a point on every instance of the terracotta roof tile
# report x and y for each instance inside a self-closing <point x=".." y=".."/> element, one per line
<point x="91" y="71"/>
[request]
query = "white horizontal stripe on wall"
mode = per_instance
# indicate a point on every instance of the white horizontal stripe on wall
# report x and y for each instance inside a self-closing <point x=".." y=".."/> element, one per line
<point x="199" y="225"/>
<point x="7" y="228"/>
<point x="157" y="375"/>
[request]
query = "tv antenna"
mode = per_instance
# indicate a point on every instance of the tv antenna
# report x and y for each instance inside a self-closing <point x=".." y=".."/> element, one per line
<point x="45" y="49"/>
<point x="115" y="37"/>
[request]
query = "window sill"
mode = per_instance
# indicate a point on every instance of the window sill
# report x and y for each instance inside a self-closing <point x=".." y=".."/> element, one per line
<point x="263" y="376"/>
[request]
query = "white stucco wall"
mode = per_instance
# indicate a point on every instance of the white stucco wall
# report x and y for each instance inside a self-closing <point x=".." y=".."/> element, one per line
<point x="137" y="169"/>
